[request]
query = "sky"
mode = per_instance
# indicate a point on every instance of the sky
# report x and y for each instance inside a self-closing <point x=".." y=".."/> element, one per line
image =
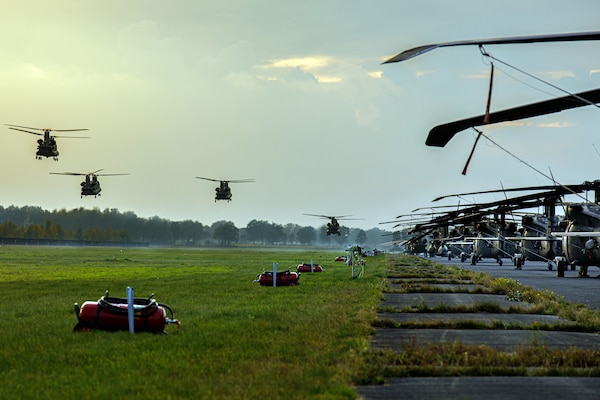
<point x="291" y="94"/>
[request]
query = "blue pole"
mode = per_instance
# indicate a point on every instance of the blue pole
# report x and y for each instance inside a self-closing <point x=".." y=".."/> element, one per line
<point x="130" y="309"/>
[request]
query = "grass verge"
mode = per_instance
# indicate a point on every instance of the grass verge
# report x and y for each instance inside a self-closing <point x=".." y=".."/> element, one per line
<point x="411" y="274"/>
<point x="237" y="339"/>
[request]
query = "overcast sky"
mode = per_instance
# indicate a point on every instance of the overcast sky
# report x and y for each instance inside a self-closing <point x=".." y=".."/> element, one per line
<point x="291" y="94"/>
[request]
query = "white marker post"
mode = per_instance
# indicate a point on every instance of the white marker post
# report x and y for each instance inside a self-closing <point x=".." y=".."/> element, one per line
<point x="130" y="309"/>
<point x="274" y="274"/>
<point x="311" y="266"/>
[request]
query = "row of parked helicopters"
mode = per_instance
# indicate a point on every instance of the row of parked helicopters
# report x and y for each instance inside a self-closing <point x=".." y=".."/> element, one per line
<point x="500" y="229"/>
<point x="47" y="147"/>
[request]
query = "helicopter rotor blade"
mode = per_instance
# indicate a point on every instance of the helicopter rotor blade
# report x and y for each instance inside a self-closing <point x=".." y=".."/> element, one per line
<point x="562" y="37"/>
<point x="548" y="187"/>
<point x="559" y="189"/>
<point x="208" y="179"/>
<point x="318" y="215"/>
<point x="440" y="135"/>
<point x="23" y="130"/>
<point x="26" y="127"/>
<point x="67" y="173"/>
<point x="72" y="137"/>
<point x="95" y="173"/>
<point x="241" y="181"/>
<point x="110" y="174"/>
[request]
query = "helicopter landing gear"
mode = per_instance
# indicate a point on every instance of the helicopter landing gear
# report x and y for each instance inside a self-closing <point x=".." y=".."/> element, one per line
<point x="474" y="259"/>
<point x="518" y="263"/>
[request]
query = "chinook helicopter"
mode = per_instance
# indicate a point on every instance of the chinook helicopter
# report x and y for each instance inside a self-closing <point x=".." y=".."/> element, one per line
<point x="90" y="186"/>
<point x="223" y="192"/>
<point x="333" y="226"/>
<point x="47" y="146"/>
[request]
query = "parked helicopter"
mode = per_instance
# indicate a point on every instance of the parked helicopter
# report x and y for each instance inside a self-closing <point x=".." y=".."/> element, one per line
<point x="578" y="232"/>
<point x="90" y="186"/>
<point x="223" y="192"/>
<point x="47" y="146"/>
<point x="497" y="238"/>
<point x="333" y="226"/>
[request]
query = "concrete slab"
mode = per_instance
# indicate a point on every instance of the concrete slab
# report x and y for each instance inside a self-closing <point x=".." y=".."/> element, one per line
<point x="514" y="319"/>
<point x="489" y="388"/>
<point x="499" y="339"/>
<point x="402" y="300"/>
<point x="535" y="274"/>
<point x="456" y="287"/>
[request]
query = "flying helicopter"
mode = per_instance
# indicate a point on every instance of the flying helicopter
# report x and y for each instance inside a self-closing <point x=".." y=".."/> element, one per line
<point x="333" y="226"/>
<point x="223" y="192"/>
<point x="90" y="186"/>
<point x="47" y="146"/>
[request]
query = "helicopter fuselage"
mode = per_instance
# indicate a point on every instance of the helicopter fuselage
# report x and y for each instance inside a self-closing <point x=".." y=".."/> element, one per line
<point x="90" y="187"/>
<point x="544" y="248"/>
<point x="223" y="192"/>
<point x="579" y="248"/>
<point x="47" y="147"/>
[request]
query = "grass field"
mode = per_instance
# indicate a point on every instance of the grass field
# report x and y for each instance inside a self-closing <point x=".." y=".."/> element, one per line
<point x="238" y="340"/>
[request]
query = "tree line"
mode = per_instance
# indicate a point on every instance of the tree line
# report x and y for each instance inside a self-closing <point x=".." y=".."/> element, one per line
<point x="111" y="225"/>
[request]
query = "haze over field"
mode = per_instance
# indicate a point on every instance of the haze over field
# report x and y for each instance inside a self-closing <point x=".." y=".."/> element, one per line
<point x="293" y="95"/>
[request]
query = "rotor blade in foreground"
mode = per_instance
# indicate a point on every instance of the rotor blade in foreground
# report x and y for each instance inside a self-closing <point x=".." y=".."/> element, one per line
<point x="440" y="135"/>
<point x="561" y="37"/>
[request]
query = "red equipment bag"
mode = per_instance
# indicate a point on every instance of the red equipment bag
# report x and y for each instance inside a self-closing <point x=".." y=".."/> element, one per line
<point x="111" y="314"/>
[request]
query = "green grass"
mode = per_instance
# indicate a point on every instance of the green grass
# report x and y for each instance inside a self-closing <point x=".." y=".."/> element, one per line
<point x="237" y="338"/>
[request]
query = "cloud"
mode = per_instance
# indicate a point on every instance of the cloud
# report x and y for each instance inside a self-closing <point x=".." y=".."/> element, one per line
<point x="328" y="79"/>
<point x="481" y="75"/>
<point x="319" y="67"/>
<point x="556" y="75"/>
<point x="305" y="63"/>
<point x="297" y="76"/>
<point x="555" y="124"/>
<point x="144" y="52"/>
<point x="367" y="115"/>
<point x="420" y="74"/>
<point x="530" y="123"/>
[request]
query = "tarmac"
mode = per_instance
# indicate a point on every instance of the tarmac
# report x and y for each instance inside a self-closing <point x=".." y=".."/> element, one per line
<point x="400" y="307"/>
